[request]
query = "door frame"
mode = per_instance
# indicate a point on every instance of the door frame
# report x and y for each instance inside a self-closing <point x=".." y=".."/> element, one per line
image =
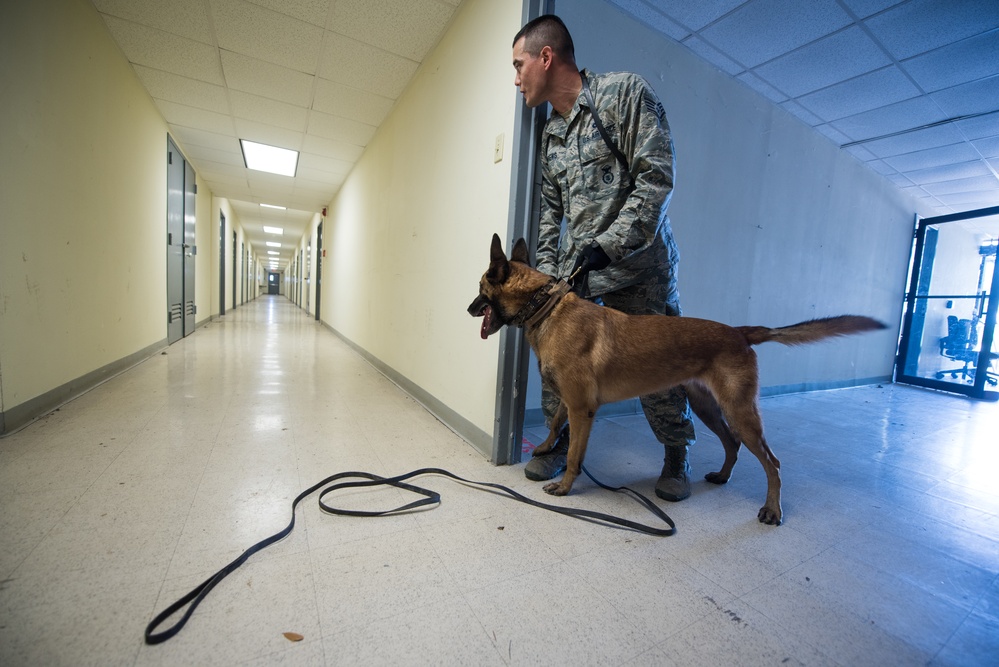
<point x="978" y="389"/>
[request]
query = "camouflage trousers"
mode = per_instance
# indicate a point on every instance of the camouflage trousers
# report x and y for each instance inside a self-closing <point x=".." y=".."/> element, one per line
<point x="668" y="412"/>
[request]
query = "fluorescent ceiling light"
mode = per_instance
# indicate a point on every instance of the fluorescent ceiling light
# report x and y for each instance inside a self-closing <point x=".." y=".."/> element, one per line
<point x="273" y="252"/>
<point x="280" y="208"/>
<point x="272" y="159"/>
<point x="273" y="230"/>
<point x="271" y="244"/>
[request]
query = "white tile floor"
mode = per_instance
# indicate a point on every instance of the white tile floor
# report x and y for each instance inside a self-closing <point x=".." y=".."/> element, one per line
<point x="120" y="502"/>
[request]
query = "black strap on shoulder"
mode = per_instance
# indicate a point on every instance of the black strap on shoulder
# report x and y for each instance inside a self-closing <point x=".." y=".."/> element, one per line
<point x="196" y="596"/>
<point x="600" y="127"/>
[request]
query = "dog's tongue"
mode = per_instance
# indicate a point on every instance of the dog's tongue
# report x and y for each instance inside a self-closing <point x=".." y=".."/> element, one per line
<point x="487" y="322"/>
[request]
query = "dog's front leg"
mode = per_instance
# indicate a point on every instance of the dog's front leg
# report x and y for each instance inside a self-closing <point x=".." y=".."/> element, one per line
<point x="580" y="423"/>
<point x="558" y="421"/>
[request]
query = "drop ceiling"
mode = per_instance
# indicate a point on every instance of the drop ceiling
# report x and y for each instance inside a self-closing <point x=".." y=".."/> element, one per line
<point x="910" y="88"/>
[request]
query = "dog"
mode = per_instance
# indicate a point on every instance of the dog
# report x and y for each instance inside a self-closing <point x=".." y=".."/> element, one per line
<point x="592" y="355"/>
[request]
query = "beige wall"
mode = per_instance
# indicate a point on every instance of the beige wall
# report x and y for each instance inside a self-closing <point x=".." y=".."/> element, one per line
<point x="408" y="234"/>
<point x="83" y="200"/>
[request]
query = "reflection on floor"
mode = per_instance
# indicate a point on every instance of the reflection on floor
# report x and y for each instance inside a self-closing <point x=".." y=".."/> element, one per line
<point x="126" y="498"/>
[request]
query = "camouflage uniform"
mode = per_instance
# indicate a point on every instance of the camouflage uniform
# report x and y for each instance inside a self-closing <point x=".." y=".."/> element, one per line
<point x="583" y="182"/>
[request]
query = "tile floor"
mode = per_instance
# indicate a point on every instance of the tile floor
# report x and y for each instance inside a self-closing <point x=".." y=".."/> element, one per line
<point x="124" y="499"/>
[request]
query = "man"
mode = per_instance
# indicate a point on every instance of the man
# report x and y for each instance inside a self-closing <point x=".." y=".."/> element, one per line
<point x="613" y="194"/>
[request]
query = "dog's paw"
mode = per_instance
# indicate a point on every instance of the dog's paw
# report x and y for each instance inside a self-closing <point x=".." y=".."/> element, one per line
<point x="556" y="489"/>
<point x="769" y="515"/>
<point x="716" y="478"/>
<point x="541" y="450"/>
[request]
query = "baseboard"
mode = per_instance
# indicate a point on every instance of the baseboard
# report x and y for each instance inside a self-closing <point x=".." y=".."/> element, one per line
<point x="21" y="415"/>
<point x="472" y="434"/>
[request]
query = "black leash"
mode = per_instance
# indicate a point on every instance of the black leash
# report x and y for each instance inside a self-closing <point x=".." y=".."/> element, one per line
<point x="196" y="596"/>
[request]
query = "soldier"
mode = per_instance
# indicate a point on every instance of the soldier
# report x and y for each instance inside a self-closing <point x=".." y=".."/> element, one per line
<point x="607" y="169"/>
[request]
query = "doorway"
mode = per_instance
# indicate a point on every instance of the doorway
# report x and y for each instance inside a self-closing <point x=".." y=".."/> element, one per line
<point x="948" y="335"/>
<point x="221" y="263"/>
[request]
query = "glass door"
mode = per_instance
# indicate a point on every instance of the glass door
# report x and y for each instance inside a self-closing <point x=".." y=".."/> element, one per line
<point x="948" y="339"/>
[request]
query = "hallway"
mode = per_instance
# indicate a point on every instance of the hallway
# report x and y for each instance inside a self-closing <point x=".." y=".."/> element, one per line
<point x="124" y="499"/>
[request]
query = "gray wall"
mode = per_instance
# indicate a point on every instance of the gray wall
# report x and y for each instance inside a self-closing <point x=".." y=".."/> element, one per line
<point x="774" y="222"/>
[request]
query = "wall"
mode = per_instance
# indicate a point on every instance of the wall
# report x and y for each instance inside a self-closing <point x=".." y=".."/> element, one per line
<point x="775" y="224"/>
<point x="83" y="199"/>
<point x="408" y="234"/>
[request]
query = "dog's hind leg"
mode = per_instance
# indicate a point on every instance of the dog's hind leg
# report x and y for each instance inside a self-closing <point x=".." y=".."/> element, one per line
<point x="738" y="402"/>
<point x="558" y="421"/>
<point x="709" y="412"/>
<point x="580" y="423"/>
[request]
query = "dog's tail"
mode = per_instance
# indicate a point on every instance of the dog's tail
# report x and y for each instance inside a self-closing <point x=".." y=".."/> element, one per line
<point x="812" y="330"/>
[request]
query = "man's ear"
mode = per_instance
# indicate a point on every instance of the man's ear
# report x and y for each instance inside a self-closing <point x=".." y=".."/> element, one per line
<point x="546" y="55"/>
<point x="499" y="267"/>
<point x="520" y="252"/>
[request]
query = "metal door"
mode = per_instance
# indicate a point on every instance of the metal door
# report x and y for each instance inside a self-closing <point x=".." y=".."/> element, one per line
<point x="190" y="249"/>
<point x="948" y="339"/>
<point x="175" y="243"/>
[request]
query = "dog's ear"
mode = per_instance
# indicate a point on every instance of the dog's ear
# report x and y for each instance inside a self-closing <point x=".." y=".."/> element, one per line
<point x="520" y="252"/>
<point x="499" y="267"/>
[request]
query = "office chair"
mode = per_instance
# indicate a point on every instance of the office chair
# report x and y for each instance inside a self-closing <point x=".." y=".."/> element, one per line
<point x="961" y="344"/>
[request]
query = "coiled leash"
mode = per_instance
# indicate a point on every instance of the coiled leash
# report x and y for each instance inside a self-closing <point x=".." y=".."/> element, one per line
<point x="196" y="596"/>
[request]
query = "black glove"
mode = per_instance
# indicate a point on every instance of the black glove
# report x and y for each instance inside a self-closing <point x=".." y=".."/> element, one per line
<point x="592" y="258"/>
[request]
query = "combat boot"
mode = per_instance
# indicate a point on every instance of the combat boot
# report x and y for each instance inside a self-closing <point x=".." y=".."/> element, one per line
<point x="549" y="465"/>
<point x="674" y="481"/>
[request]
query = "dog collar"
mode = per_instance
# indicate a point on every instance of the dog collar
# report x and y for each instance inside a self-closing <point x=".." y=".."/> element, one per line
<point x="541" y="303"/>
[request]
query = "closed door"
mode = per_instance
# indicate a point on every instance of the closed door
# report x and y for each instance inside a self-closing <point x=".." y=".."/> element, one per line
<point x="175" y="243"/>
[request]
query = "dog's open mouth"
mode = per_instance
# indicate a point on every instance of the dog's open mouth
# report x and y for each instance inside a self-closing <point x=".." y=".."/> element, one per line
<point x="487" y="321"/>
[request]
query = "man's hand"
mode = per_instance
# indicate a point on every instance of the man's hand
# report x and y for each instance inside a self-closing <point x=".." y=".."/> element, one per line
<point x="592" y="258"/>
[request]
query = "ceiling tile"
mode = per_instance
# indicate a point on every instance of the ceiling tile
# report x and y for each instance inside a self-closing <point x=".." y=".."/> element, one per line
<point x="652" y="18"/>
<point x="712" y="55"/>
<point x="838" y="137"/>
<point x="339" y="150"/>
<point x="910" y="142"/>
<point x="189" y="136"/>
<point x="167" y="86"/>
<point x="980" y="127"/>
<point x="363" y="66"/>
<point x="896" y="117"/>
<point x="802" y="113"/>
<point x="828" y="61"/>
<point x="268" y="134"/>
<point x="865" y="8"/>
<point x="271" y="112"/>
<point x="760" y="30"/>
<point x="360" y="105"/>
<point x="409" y="28"/>
<point x="254" y="31"/>
<point x="980" y="96"/>
<point x="186" y="18"/>
<point x="319" y="163"/>
<point x="205" y="154"/>
<point x="933" y="157"/>
<point x="970" y="184"/>
<point x="315" y="12"/>
<point x="696" y="15"/>
<point x="341" y="129"/>
<point x="923" y="25"/>
<point x="869" y="91"/>
<point x="161" y="50"/>
<point x="267" y="79"/>
<point x="964" y="61"/>
<point x="951" y="172"/>
<point x="987" y="147"/>
<point x="180" y="114"/>
<point x="762" y="87"/>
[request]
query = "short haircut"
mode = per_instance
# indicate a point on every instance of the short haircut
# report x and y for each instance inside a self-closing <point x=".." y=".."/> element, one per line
<point x="547" y="30"/>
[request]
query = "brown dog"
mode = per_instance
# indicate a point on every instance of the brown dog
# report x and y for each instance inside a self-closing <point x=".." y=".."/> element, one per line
<point x="592" y="355"/>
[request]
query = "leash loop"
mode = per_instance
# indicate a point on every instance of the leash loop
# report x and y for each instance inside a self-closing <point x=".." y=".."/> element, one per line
<point x="190" y="602"/>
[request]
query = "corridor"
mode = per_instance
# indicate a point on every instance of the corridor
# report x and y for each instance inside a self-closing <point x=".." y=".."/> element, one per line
<point x="124" y="499"/>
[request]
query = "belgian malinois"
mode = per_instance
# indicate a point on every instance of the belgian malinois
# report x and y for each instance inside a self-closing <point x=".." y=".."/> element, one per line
<point x="592" y="355"/>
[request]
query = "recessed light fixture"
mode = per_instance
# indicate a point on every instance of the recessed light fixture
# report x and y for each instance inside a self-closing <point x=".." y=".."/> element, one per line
<point x="271" y="159"/>
<point x="273" y="252"/>
<point x="271" y="244"/>
<point x="273" y="230"/>
<point x="280" y="208"/>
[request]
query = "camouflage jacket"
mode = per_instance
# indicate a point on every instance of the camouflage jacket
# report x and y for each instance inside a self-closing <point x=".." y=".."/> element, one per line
<point x="585" y="183"/>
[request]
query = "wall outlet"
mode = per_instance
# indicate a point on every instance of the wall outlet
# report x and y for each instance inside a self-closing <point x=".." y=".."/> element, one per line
<point x="498" y="148"/>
